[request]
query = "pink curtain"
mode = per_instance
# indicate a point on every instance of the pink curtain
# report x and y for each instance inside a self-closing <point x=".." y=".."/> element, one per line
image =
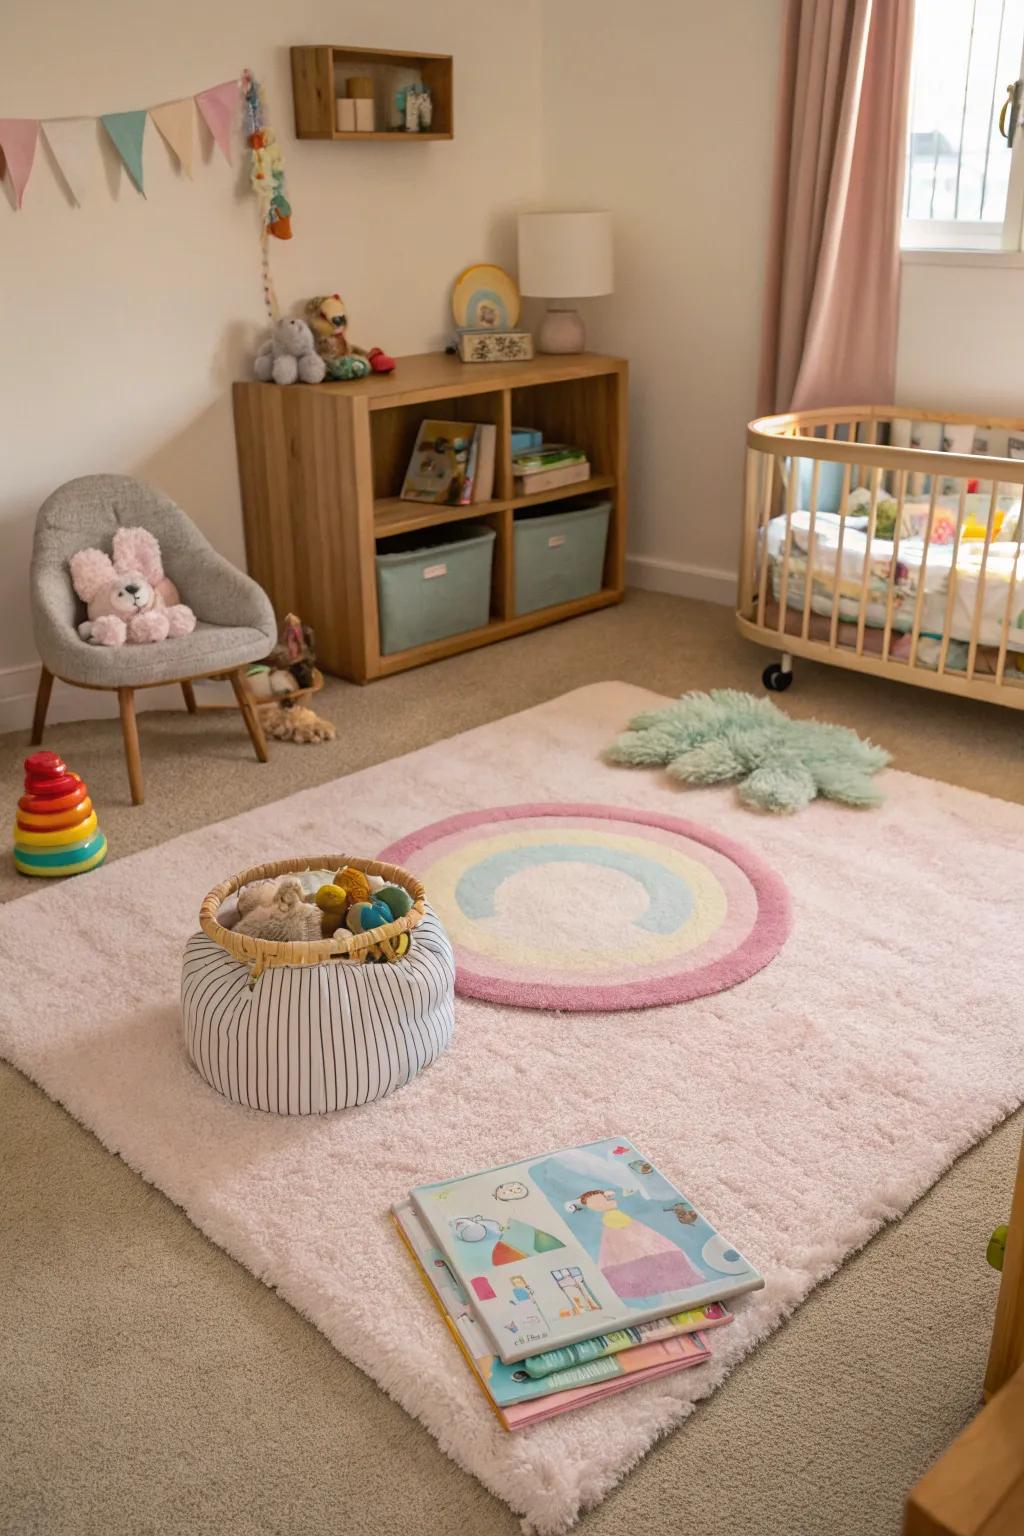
<point x="834" y="265"/>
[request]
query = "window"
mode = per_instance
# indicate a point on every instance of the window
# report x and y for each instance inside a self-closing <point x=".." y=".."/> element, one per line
<point x="965" y="140"/>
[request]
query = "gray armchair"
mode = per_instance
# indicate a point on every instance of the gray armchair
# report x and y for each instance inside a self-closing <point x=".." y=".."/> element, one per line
<point x="235" y="627"/>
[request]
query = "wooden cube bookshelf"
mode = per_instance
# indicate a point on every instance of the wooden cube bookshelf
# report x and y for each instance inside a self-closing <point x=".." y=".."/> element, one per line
<point x="319" y="73"/>
<point x="322" y="466"/>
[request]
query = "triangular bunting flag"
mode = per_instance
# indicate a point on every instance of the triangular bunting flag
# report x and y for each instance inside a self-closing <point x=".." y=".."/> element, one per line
<point x="174" y="120"/>
<point x="126" y="130"/>
<point x="72" y="142"/>
<point x="18" y="136"/>
<point x="218" y="106"/>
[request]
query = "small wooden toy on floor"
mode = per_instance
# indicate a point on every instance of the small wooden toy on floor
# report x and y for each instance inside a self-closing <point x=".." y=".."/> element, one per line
<point x="56" y="832"/>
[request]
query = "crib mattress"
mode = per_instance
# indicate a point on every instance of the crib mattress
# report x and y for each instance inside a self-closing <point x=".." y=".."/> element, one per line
<point x="839" y="574"/>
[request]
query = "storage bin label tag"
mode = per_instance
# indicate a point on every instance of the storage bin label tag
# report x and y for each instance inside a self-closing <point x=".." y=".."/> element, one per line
<point x="556" y="541"/>
<point x="430" y="571"/>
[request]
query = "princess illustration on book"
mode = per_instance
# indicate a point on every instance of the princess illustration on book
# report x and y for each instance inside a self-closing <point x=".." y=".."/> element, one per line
<point x="635" y="1260"/>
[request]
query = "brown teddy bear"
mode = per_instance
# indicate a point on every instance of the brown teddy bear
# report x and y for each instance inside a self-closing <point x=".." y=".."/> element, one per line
<point x="328" y="321"/>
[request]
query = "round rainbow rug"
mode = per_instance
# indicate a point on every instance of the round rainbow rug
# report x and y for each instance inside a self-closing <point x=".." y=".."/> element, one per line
<point x="591" y="907"/>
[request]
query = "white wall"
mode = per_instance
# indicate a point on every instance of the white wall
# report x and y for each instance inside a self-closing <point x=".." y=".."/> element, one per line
<point x="959" y="337"/>
<point x="125" y="321"/>
<point x="664" y="112"/>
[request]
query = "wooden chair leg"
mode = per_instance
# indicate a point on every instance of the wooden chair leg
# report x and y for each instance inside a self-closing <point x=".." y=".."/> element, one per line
<point x="42" y="705"/>
<point x="250" y="714"/>
<point x="190" y="697"/>
<point x="130" y="731"/>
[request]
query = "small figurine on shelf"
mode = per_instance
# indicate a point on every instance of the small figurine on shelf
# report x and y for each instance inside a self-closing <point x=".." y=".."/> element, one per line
<point x="415" y="108"/>
<point x="56" y="832"/>
<point x="329" y="322"/>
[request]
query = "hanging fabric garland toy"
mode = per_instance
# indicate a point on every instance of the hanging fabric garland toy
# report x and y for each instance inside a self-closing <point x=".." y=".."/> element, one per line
<point x="267" y="178"/>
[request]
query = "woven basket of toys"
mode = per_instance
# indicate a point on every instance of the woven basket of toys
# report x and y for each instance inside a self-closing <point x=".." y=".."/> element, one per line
<point x="316" y="984"/>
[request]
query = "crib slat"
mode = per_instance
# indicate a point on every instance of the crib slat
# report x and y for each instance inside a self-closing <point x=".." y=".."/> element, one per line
<point x="862" y="611"/>
<point x="809" y="575"/>
<point x="750" y="509"/>
<point x="844" y="507"/>
<point x="901" y="479"/>
<point x="787" y="547"/>
<point x="771" y="465"/>
<point x="919" y="603"/>
<point x="1008" y="612"/>
<point x="951" y="590"/>
<point x="979" y="600"/>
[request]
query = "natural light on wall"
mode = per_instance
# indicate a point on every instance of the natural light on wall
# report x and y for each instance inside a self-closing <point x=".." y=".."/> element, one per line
<point x="965" y="142"/>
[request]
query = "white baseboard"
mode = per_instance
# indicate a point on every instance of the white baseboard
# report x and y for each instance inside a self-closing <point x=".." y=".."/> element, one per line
<point x="698" y="581"/>
<point x="18" y="699"/>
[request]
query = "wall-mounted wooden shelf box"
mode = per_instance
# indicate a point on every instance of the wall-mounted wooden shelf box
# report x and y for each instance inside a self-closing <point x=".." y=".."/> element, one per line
<point x="318" y="78"/>
<point x="322" y="466"/>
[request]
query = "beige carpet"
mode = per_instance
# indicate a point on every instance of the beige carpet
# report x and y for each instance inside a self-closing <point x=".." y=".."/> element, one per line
<point x="123" y="1405"/>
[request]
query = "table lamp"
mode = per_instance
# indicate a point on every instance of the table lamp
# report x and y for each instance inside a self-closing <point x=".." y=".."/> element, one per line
<point x="564" y="256"/>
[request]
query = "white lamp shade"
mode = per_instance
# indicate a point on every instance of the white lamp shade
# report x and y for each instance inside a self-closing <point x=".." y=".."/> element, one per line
<point x="565" y="255"/>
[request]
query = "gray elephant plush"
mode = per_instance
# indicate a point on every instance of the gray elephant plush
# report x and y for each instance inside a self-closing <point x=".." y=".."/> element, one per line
<point x="290" y="356"/>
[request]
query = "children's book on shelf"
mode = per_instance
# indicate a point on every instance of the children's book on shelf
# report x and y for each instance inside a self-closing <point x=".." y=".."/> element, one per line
<point x="440" y="461"/>
<point x="561" y="1247"/>
<point x="452" y="463"/>
<point x="518" y="1398"/>
<point x="487" y="441"/>
<point x="535" y="461"/>
<point x="551" y="479"/>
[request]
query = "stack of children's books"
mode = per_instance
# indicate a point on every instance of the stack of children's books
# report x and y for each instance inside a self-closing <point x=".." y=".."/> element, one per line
<point x="452" y="463"/>
<point x="547" y="466"/>
<point x="569" y="1276"/>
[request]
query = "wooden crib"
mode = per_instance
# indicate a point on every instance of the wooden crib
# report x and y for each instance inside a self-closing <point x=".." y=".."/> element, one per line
<point x="940" y="602"/>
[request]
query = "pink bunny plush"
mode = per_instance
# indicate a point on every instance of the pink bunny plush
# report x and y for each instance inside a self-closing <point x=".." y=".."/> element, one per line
<point x="129" y="599"/>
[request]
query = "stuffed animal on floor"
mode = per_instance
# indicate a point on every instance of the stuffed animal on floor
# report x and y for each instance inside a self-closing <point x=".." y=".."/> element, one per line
<point x="129" y="600"/>
<point x="278" y="909"/>
<point x="290" y="356"/>
<point x="782" y="764"/>
<point x="290" y="665"/>
<point x="329" y="321"/>
<point x="285" y="721"/>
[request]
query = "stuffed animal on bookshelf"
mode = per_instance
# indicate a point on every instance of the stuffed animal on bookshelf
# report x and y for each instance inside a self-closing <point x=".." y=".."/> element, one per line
<point x="290" y="356"/>
<point x="128" y="598"/>
<point x="328" y="318"/>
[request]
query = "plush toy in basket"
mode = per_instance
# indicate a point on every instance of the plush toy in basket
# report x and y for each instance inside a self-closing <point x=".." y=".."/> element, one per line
<point x="279" y="1011"/>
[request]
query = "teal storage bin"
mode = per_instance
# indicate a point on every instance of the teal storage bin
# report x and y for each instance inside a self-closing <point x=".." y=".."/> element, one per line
<point x="432" y="585"/>
<point x="559" y="554"/>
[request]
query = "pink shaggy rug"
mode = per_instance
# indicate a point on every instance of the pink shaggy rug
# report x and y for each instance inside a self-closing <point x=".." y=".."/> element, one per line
<point x="800" y="1110"/>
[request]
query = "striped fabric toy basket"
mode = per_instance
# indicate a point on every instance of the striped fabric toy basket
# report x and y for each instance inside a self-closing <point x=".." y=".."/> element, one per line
<point x="309" y="1028"/>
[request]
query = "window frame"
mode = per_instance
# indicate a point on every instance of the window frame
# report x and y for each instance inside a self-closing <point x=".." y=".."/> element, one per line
<point x="979" y="236"/>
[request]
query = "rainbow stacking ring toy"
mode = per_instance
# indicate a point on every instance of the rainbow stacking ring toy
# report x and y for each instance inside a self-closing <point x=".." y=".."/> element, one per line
<point x="595" y="907"/>
<point x="56" y="832"/>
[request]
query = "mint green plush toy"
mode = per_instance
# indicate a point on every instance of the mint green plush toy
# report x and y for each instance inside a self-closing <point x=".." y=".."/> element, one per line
<point x="781" y="764"/>
<point x="397" y="900"/>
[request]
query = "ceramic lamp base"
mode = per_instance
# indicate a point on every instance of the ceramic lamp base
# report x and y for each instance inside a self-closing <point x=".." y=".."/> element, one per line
<point x="562" y="330"/>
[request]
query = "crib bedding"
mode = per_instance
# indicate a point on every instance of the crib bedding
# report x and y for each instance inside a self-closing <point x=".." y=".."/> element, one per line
<point x="897" y="575"/>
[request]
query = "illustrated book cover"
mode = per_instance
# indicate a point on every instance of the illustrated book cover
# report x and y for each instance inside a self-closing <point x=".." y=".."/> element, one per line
<point x="517" y="1398"/>
<point x="555" y="1249"/>
<point x="440" y="462"/>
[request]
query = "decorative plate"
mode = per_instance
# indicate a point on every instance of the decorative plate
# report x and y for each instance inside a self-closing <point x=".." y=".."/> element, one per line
<point x="485" y="297"/>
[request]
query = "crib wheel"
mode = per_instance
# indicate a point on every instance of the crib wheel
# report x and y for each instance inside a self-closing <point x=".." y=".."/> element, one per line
<point x="775" y="679"/>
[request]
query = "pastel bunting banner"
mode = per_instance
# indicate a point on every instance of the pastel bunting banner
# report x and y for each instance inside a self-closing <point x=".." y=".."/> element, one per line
<point x="72" y="142"/>
<point x="126" y="130"/>
<point x="218" y="106"/>
<point x="18" y="139"/>
<point x="174" y="121"/>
